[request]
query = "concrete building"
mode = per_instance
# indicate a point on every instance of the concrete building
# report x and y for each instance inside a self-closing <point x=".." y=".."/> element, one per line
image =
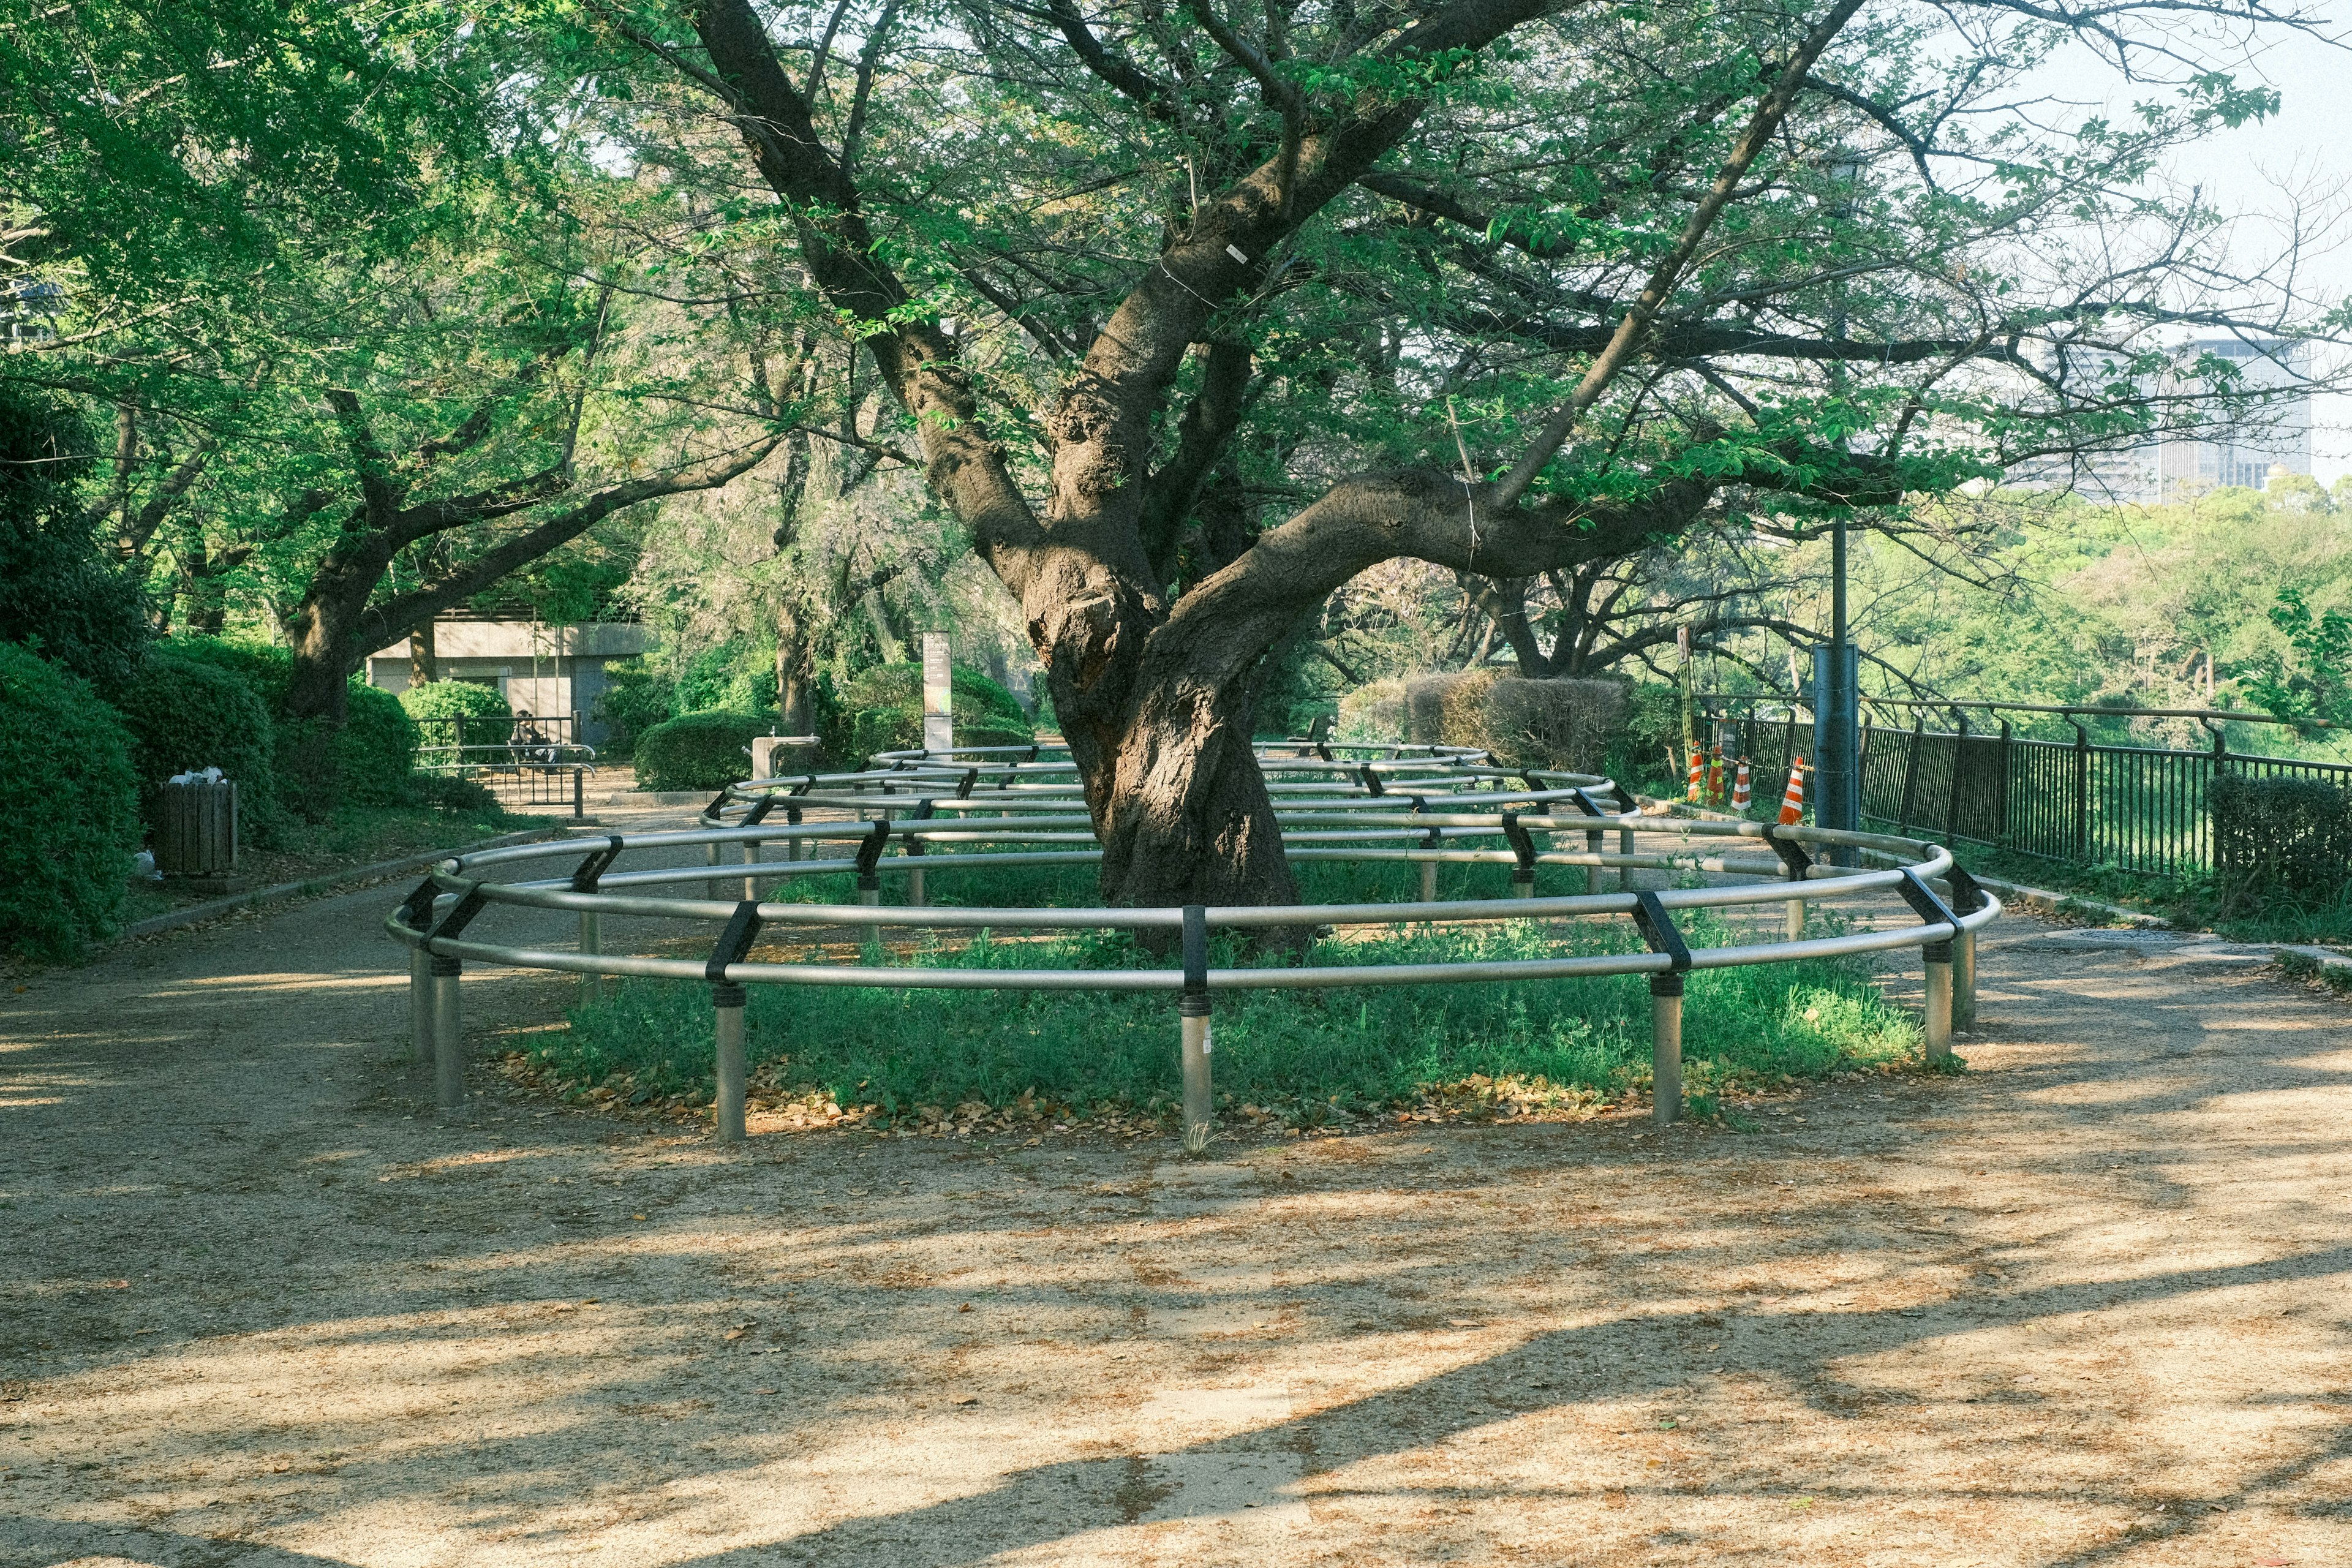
<point x="550" y="670"/>
<point x="2218" y="453"/>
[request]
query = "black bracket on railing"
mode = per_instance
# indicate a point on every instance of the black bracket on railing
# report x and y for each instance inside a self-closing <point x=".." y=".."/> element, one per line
<point x="1657" y="929"/>
<point x="1791" y="855"/>
<point x="921" y="812"/>
<point x="1967" y="893"/>
<point x="963" y="786"/>
<point x="1323" y="752"/>
<point x="1585" y="803"/>
<point x="1193" y="1002"/>
<point x="1371" y="781"/>
<point x="1522" y="845"/>
<point x="416" y="910"/>
<point x="591" y="871"/>
<point x="718" y="806"/>
<point x="758" y="812"/>
<point x="734" y="942"/>
<point x="1625" y="801"/>
<point x="870" y="852"/>
<point x="1931" y="911"/>
<point x="802" y="788"/>
<point x="459" y="917"/>
<point x="1534" y="785"/>
<point x="1032" y="756"/>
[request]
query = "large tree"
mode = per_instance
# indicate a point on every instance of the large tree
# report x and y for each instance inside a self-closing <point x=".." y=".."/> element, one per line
<point x="1195" y="315"/>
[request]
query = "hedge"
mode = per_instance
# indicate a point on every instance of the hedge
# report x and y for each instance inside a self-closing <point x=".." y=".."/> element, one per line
<point x="182" y="716"/>
<point x="1526" y="723"/>
<point x="708" y="750"/>
<point x="483" y="717"/>
<point x="882" y="710"/>
<point x="72" y="805"/>
<point x="2280" y="841"/>
<point x="373" y="755"/>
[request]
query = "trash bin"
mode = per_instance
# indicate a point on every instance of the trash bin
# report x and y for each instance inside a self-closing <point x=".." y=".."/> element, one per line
<point x="195" y="831"/>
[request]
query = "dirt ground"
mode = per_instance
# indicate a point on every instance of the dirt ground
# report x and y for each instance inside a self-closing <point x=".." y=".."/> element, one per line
<point x="2087" y="1304"/>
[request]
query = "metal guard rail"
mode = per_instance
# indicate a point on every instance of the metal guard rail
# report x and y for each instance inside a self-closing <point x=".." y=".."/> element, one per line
<point x="1380" y="798"/>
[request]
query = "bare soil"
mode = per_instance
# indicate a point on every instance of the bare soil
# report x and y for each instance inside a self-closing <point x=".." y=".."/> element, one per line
<point x="2086" y="1304"/>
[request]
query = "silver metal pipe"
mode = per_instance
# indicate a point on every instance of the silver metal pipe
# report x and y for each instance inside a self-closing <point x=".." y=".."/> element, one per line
<point x="728" y="1012"/>
<point x="1940" y="1007"/>
<point x="751" y="858"/>
<point x="1428" y="881"/>
<point x="448" y="1037"/>
<point x="710" y="885"/>
<point x="1666" y="1047"/>
<point x="1200" y="1102"/>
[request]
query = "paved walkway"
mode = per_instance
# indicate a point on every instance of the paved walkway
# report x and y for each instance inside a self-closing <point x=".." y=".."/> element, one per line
<point x="2086" y="1305"/>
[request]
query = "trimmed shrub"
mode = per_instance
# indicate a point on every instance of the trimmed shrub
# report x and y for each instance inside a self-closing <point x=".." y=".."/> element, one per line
<point x="2280" y="841"/>
<point x="182" y="716"/>
<point x="1372" y="714"/>
<point x="634" y="701"/>
<point x="447" y="791"/>
<point x="376" y="749"/>
<point x="710" y="750"/>
<point x="882" y="710"/>
<point x="1526" y="723"/>
<point x="481" y="717"/>
<point x="72" y="806"/>
<point x="373" y="755"/>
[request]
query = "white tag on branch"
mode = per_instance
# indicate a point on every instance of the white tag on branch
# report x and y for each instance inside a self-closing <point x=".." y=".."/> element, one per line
<point x="1235" y="252"/>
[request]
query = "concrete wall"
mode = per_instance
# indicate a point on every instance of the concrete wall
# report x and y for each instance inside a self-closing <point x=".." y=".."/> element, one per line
<point x="567" y="676"/>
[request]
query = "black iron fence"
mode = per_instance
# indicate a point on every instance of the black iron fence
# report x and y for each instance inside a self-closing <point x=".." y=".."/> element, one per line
<point x="2142" y="808"/>
<point x="534" y="760"/>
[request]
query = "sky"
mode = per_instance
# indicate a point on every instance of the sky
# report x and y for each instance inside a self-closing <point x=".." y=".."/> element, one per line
<point x="2306" y="146"/>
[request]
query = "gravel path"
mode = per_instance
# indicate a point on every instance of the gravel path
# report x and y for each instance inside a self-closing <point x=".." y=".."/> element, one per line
<point x="2084" y="1305"/>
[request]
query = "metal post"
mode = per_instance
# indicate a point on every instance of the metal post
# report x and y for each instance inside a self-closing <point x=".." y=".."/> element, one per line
<point x="1592" y="872"/>
<point x="591" y="985"/>
<point x="751" y="858"/>
<point x="448" y="1036"/>
<point x="420" y="1003"/>
<point x="1665" y="1047"/>
<point x="578" y="800"/>
<point x="1428" y="881"/>
<point x="869" y="893"/>
<point x="1625" y="873"/>
<point x="727" y="1001"/>
<point x="1795" y="927"/>
<point x="710" y="889"/>
<point x="1939" y="957"/>
<point x="1192" y="1016"/>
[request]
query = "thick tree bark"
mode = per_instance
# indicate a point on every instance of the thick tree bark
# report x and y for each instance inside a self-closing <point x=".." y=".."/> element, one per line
<point x="423" y="657"/>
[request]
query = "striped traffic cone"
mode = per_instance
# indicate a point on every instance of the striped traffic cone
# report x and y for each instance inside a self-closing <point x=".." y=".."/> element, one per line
<point x="1715" y="775"/>
<point x="1739" y="787"/>
<point x="1697" y="776"/>
<point x="1792" y="799"/>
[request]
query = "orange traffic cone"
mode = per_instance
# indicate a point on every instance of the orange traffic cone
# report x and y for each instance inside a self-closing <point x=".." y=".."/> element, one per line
<point x="1715" y="775"/>
<point x="1792" y="799"/>
<point x="1697" y="776"/>
<point x="1739" y="787"/>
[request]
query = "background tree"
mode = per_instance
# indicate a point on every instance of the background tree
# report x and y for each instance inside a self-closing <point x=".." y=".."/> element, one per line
<point x="1173" y="306"/>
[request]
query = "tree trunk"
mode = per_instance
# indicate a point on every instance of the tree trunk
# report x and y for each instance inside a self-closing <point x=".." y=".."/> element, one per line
<point x="793" y="716"/>
<point x="423" y="657"/>
<point x="1189" y="820"/>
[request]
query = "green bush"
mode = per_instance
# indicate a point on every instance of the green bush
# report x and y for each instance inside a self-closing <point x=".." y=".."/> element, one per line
<point x="376" y="749"/>
<point x="1525" y="723"/>
<point x="72" y="805"/>
<point x="458" y="713"/>
<point x="700" y="750"/>
<point x="882" y="710"/>
<point x="372" y="756"/>
<point x="634" y="701"/>
<point x="2280" y="841"/>
<point x="59" y="594"/>
<point x="184" y="715"/>
<point x="450" y="792"/>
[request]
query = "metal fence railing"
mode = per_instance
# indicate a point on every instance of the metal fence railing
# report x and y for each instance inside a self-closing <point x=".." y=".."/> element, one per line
<point x="2140" y="808"/>
<point x="525" y="760"/>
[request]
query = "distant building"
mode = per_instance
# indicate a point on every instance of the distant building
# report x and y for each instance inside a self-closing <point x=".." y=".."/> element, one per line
<point x="554" y="671"/>
<point x="2243" y="451"/>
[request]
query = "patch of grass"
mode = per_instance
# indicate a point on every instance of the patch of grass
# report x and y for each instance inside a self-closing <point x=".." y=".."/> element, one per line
<point x="2336" y="977"/>
<point x="1303" y="1059"/>
<point x="2187" y="902"/>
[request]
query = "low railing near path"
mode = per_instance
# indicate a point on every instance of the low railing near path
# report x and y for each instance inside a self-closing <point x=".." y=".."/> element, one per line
<point x="2141" y="808"/>
<point x="929" y="815"/>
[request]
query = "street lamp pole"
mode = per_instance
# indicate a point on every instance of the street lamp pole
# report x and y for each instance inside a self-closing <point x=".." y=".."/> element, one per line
<point x="1837" y="705"/>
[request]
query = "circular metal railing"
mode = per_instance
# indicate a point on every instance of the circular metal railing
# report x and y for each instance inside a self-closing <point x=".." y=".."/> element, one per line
<point x="913" y="815"/>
